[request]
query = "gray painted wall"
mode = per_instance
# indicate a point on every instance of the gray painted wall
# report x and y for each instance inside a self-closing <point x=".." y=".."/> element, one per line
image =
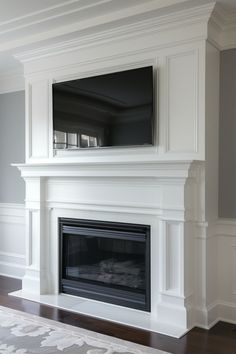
<point x="227" y="135"/>
<point x="12" y="140"/>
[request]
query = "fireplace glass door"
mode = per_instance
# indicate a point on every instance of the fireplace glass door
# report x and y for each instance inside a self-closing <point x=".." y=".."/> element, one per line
<point x="106" y="261"/>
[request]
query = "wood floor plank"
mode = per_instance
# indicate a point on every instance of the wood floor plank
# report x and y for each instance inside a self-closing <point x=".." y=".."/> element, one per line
<point x="221" y="339"/>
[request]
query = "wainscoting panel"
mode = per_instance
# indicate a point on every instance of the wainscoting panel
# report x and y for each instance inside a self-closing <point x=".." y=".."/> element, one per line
<point x="182" y="101"/>
<point x="215" y="266"/>
<point x="226" y="231"/>
<point x="12" y="240"/>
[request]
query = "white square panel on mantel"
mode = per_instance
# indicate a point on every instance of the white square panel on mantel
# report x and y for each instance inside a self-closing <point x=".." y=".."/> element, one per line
<point x="108" y="312"/>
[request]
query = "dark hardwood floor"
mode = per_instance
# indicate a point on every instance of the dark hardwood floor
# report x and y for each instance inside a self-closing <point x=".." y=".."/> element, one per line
<point x="221" y="339"/>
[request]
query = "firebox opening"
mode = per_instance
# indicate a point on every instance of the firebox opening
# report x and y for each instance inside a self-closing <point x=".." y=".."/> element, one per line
<point x="105" y="261"/>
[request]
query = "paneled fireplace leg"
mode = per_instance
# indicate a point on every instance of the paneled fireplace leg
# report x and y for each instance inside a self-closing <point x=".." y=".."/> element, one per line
<point x="36" y="276"/>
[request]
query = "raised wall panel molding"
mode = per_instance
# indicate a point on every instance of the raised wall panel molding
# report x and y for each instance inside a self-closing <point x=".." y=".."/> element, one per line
<point x="173" y="258"/>
<point x="12" y="241"/>
<point x="221" y="236"/>
<point x="182" y="104"/>
<point x="36" y="275"/>
<point x="177" y="111"/>
<point x="39" y="119"/>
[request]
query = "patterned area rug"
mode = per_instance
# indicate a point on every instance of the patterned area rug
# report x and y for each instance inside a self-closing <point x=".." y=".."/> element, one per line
<point x="22" y="333"/>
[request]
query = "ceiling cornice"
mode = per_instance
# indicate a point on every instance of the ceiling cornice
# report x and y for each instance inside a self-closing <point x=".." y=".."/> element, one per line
<point x="175" y="19"/>
<point x="224" y="28"/>
<point x="49" y="13"/>
<point x="72" y="16"/>
<point x="223" y="19"/>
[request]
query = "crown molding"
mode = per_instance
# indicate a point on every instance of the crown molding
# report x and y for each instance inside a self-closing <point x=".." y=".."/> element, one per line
<point x="11" y="82"/>
<point x="74" y="16"/>
<point x="228" y="39"/>
<point x="222" y="18"/>
<point x="177" y="19"/>
<point x="223" y="28"/>
<point x="50" y="13"/>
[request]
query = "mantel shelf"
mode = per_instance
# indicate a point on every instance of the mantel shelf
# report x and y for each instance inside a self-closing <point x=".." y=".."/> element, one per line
<point x="148" y="169"/>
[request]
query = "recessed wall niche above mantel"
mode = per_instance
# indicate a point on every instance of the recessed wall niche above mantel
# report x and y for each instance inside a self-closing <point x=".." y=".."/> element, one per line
<point x="163" y="186"/>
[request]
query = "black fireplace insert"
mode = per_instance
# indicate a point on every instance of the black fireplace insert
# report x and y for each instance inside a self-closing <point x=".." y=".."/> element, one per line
<point x="105" y="261"/>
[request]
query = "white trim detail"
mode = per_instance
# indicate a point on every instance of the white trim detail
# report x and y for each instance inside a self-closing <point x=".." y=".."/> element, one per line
<point x="226" y="227"/>
<point x="151" y="193"/>
<point x="221" y="235"/>
<point x="12" y="240"/>
<point x="223" y="28"/>
<point x="172" y="20"/>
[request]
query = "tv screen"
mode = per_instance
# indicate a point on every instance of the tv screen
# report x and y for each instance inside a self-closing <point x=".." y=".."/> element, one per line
<point x="108" y="110"/>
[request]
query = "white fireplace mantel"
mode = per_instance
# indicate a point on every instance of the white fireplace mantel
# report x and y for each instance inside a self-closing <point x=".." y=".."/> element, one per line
<point x="157" y="169"/>
<point x="159" y="194"/>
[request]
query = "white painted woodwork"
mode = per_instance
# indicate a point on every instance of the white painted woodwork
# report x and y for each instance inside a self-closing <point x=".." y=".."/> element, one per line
<point x="38" y="119"/>
<point x="35" y="24"/>
<point x="151" y="193"/>
<point x="173" y="258"/>
<point x="170" y="186"/>
<point x="182" y="73"/>
<point x="176" y="112"/>
<point x="12" y="240"/>
<point x="178" y="57"/>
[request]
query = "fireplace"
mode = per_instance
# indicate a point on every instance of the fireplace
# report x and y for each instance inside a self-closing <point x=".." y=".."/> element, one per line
<point x="63" y="205"/>
<point x="105" y="261"/>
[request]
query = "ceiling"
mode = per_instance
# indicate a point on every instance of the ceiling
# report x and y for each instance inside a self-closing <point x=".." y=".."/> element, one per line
<point x="28" y="24"/>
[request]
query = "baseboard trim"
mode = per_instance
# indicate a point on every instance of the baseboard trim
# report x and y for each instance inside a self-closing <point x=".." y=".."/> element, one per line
<point x="227" y="312"/>
<point x="12" y="264"/>
<point x="220" y="311"/>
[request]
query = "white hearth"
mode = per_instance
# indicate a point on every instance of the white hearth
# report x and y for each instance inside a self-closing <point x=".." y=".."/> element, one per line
<point x="117" y="314"/>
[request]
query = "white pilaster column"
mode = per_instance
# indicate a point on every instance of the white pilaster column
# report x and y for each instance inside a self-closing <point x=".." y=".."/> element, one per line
<point x="176" y="257"/>
<point x="36" y="276"/>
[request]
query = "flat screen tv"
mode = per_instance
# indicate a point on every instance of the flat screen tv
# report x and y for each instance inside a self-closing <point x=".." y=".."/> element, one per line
<point x="110" y="110"/>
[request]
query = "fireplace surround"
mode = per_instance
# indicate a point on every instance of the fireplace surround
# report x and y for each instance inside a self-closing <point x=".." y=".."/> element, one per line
<point x="157" y="194"/>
